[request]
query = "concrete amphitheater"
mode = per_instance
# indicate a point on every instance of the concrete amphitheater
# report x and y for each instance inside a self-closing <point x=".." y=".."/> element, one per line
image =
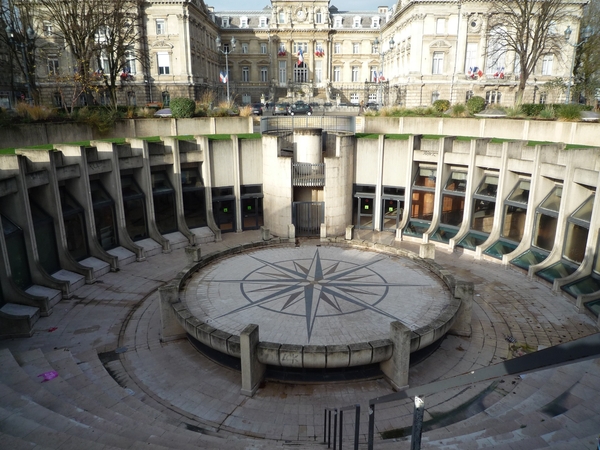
<point x="97" y="371"/>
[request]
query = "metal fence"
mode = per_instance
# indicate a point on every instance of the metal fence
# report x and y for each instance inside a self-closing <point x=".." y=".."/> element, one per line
<point x="307" y="174"/>
<point x="289" y="123"/>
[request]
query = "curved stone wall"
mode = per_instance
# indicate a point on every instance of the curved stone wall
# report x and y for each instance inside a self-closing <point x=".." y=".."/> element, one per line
<point x="315" y="356"/>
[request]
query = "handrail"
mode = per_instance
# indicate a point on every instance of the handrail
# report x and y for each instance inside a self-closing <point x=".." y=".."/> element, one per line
<point x="327" y="434"/>
<point x="559" y="355"/>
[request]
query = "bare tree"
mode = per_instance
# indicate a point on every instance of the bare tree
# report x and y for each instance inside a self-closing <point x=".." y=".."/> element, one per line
<point x="119" y="42"/>
<point x="587" y="63"/>
<point x="20" y="37"/>
<point x="78" y="23"/>
<point x="526" y="28"/>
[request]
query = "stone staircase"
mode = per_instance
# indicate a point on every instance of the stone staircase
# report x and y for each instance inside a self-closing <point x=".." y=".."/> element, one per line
<point x="56" y="400"/>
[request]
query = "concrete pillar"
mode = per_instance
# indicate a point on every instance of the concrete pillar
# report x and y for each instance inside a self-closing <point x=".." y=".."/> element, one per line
<point x="193" y="253"/>
<point x="253" y="371"/>
<point x="349" y="229"/>
<point x="395" y="369"/>
<point x="291" y="232"/>
<point x="323" y="233"/>
<point x="265" y="233"/>
<point x="462" y="325"/>
<point x="427" y="251"/>
<point x="170" y="329"/>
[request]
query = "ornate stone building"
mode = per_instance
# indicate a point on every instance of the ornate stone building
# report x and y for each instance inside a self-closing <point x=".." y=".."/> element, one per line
<point x="411" y="54"/>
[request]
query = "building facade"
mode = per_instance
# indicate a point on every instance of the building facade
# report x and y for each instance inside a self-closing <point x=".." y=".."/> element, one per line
<point x="409" y="54"/>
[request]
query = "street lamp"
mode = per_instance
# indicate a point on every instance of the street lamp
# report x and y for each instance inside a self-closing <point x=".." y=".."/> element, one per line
<point x="585" y="35"/>
<point x="24" y="46"/>
<point x="226" y="53"/>
<point x="391" y="45"/>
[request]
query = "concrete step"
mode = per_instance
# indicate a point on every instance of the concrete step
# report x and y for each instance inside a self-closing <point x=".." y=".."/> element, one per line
<point x="53" y="295"/>
<point x="124" y="256"/>
<point x="150" y="246"/>
<point x="176" y="240"/>
<point x="204" y="235"/>
<point x="75" y="280"/>
<point x="17" y="320"/>
<point x="98" y="266"/>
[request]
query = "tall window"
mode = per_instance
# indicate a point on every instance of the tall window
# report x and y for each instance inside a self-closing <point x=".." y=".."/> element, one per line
<point x="356" y="23"/>
<point x="318" y="17"/>
<point x="245" y="74"/>
<point x="300" y="73"/>
<point x="337" y="23"/>
<point x="375" y="22"/>
<point x="440" y="26"/>
<point x="262" y="22"/>
<point x="337" y="47"/>
<point x="547" y="64"/>
<point x="244" y="48"/>
<point x="161" y="26"/>
<point x="263" y="48"/>
<point x="47" y="28"/>
<point x="471" y="57"/>
<point x="53" y="69"/>
<point x="130" y="64"/>
<point x="373" y="70"/>
<point x="355" y="48"/>
<point x="438" y="63"/>
<point x="337" y="73"/>
<point x="281" y="17"/>
<point x="355" y="71"/>
<point x="496" y="51"/>
<point x="243" y="22"/>
<point x="318" y="71"/>
<point x="164" y="66"/>
<point x="300" y="45"/>
<point x="435" y="96"/>
<point x="282" y="72"/>
<point x="264" y="74"/>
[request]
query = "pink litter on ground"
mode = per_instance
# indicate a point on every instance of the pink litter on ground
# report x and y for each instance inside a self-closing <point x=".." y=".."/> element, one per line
<point x="48" y="375"/>
<point x="50" y="330"/>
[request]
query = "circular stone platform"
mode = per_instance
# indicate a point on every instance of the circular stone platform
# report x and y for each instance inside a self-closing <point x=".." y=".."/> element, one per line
<point x="316" y="295"/>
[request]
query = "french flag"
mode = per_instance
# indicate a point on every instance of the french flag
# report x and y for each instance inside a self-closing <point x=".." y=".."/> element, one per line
<point x="380" y="78"/>
<point x="300" y="57"/>
<point x="223" y="77"/>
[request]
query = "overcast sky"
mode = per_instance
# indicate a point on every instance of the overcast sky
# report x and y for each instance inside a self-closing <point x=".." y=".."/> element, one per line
<point x="342" y="5"/>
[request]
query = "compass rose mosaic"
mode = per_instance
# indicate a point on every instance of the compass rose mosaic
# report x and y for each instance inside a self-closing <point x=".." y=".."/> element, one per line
<point x="314" y="295"/>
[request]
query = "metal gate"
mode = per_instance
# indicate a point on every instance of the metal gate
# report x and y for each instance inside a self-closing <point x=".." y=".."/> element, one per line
<point x="308" y="217"/>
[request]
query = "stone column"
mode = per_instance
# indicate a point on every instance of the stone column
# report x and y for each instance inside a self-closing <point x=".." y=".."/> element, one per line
<point x="395" y="369"/>
<point x="253" y="371"/>
<point x="170" y="329"/>
<point x="462" y="325"/>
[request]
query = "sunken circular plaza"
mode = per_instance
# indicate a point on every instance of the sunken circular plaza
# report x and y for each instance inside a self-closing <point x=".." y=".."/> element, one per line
<point x="318" y="306"/>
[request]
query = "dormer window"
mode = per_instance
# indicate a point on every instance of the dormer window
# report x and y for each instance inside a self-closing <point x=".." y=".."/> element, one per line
<point x="225" y="22"/>
<point x="337" y="22"/>
<point x="375" y="22"/>
<point x="356" y="23"/>
<point x="262" y="22"/>
<point x="243" y="22"/>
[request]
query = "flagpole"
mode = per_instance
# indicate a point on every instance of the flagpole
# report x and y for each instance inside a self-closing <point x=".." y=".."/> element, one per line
<point x="226" y="53"/>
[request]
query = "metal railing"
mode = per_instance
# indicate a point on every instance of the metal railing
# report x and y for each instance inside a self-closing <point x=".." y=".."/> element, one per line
<point x="338" y="427"/>
<point x="307" y="174"/>
<point x="289" y="123"/>
<point x="563" y="354"/>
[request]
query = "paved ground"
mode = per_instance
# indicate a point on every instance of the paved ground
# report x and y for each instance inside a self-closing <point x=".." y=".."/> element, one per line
<point x="318" y="295"/>
<point x="120" y="312"/>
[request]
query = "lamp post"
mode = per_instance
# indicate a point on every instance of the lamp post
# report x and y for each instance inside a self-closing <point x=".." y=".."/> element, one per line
<point x="585" y="35"/>
<point x="23" y="46"/>
<point x="381" y="56"/>
<point x="226" y="52"/>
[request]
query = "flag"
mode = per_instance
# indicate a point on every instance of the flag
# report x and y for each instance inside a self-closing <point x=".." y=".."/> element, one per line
<point x="479" y="72"/>
<point x="501" y="75"/>
<point x="470" y="72"/>
<point x="300" y="57"/>
<point x="223" y="77"/>
<point x="380" y="78"/>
